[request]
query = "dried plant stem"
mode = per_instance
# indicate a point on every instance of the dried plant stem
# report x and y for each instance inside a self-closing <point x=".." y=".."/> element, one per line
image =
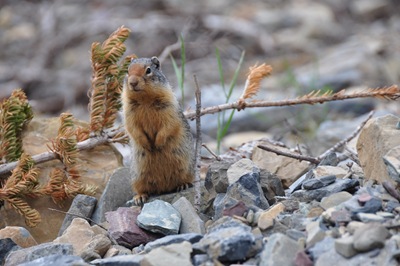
<point x="197" y="197"/>
<point x="289" y="154"/>
<point x="344" y="141"/>
<point x="392" y="93"/>
<point x="48" y="156"/>
<point x="211" y="152"/>
<point x="317" y="160"/>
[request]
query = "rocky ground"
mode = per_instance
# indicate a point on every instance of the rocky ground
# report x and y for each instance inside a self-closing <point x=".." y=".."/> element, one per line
<point x="257" y="208"/>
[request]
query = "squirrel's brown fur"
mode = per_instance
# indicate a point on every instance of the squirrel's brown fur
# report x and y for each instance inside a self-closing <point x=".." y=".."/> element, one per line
<point x="160" y="134"/>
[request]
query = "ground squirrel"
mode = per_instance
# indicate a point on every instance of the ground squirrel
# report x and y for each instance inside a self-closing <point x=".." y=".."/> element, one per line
<point x="160" y="134"/>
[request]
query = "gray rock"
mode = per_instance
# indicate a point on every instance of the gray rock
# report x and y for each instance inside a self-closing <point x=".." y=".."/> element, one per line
<point x="35" y="252"/>
<point x="83" y="206"/>
<point x="173" y="239"/>
<point x="240" y="168"/>
<point x="159" y="217"/>
<point x="385" y="257"/>
<point x="345" y="247"/>
<point x="330" y="159"/>
<point x="174" y="254"/>
<point x="271" y="186"/>
<point x="248" y="190"/>
<point x="125" y="231"/>
<point x="314" y="233"/>
<point x="6" y="246"/>
<point x="116" y="193"/>
<point x="99" y="244"/>
<point x="59" y="260"/>
<point x="228" y="242"/>
<point x="295" y="234"/>
<point x="335" y="199"/>
<point x="121" y="260"/>
<point x="277" y="245"/>
<point x="318" y="194"/>
<point x="369" y="217"/>
<point x="201" y="259"/>
<point x="311" y="184"/>
<point x="217" y="177"/>
<point x="191" y="222"/>
<point x="321" y="247"/>
<point x="370" y="236"/>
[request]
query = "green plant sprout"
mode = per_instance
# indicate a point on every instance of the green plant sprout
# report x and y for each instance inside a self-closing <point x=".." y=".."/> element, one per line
<point x="223" y="124"/>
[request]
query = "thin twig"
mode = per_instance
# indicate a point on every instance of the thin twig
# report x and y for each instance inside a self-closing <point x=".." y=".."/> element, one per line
<point x="169" y="49"/>
<point x="317" y="160"/>
<point x="211" y="152"/>
<point x="197" y="197"/>
<point x="391" y="93"/>
<point x="289" y="154"/>
<point x="352" y="155"/>
<point x="344" y="141"/>
<point x="90" y="143"/>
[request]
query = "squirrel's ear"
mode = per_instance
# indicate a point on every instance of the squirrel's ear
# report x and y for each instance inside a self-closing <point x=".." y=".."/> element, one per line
<point x="155" y="61"/>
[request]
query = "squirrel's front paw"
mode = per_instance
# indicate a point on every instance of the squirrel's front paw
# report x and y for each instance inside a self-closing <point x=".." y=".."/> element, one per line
<point x="140" y="199"/>
<point x="160" y="140"/>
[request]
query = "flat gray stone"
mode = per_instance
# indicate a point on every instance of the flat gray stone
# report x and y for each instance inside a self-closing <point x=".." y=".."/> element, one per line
<point x="116" y="193"/>
<point x="29" y="254"/>
<point x="173" y="239"/>
<point x="318" y="194"/>
<point x="57" y="260"/>
<point x="121" y="260"/>
<point x="191" y="222"/>
<point x="159" y="217"/>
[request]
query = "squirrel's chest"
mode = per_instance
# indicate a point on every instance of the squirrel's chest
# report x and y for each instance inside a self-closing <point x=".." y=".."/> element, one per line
<point x="151" y="114"/>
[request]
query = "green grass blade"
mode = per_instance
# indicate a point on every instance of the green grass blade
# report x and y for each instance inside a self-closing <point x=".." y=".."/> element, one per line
<point x="234" y="79"/>
<point x="221" y="72"/>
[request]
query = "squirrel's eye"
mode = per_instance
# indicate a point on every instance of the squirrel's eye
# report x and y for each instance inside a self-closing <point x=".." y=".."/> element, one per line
<point x="148" y="70"/>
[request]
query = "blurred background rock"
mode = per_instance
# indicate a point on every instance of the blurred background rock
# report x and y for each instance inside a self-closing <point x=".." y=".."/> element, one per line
<point x="45" y="49"/>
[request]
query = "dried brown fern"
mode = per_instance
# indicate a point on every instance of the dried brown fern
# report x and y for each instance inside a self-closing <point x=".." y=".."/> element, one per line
<point x="15" y="113"/>
<point x="19" y="186"/>
<point x="107" y="79"/>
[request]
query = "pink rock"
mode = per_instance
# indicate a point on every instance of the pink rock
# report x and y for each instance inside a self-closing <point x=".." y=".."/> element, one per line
<point x="238" y="209"/>
<point x="302" y="259"/>
<point x="125" y="231"/>
<point x="363" y="198"/>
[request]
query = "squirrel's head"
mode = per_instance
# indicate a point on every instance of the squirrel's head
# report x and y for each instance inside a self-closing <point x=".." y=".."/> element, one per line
<point x="144" y="73"/>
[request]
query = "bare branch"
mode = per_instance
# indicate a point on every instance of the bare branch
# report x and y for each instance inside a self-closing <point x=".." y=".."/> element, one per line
<point x="391" y="93"/>
<point x="90" y="143"/>
<point x="290" y="155"/>
<point x="197" y="197"/>
<point x="211" y="152"/>
<point x="344" y="141"/>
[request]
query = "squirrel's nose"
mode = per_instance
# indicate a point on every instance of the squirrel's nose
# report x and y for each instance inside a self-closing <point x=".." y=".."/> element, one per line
<point x="133" y="82"/>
